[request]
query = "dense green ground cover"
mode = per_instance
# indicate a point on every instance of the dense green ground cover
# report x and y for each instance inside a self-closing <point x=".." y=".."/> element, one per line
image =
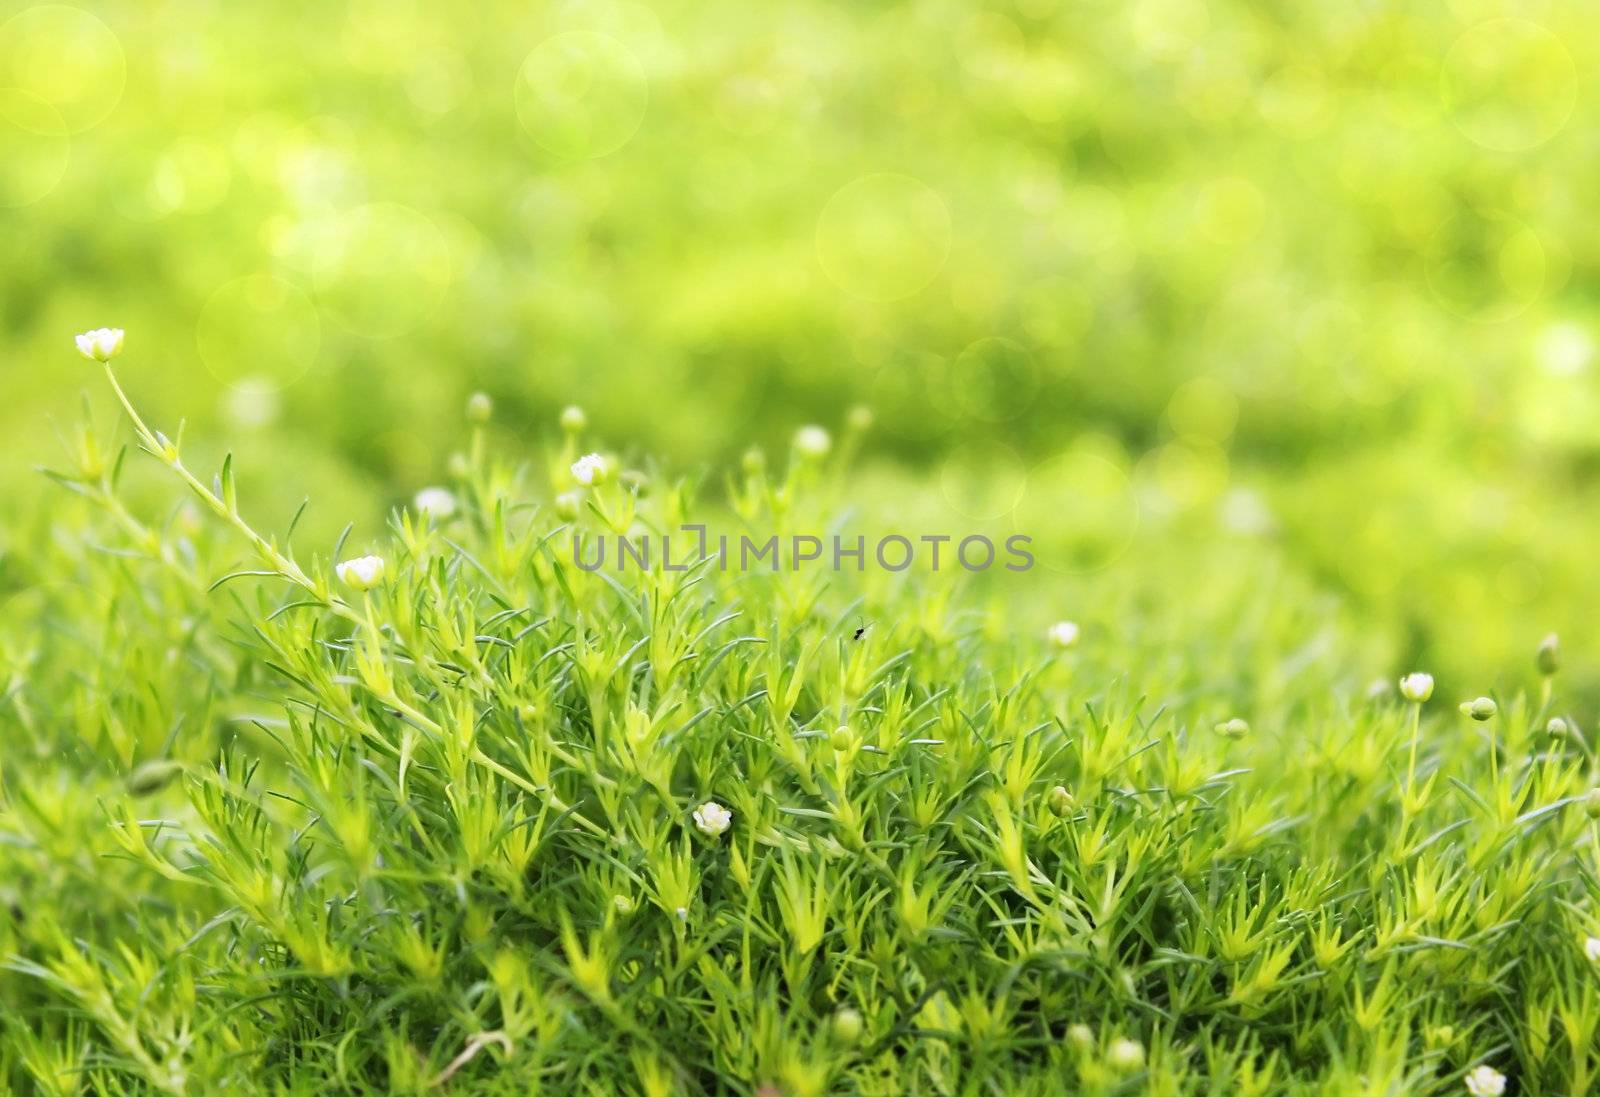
<point x="1273" y="325"/>
<point x="447" y="827"/>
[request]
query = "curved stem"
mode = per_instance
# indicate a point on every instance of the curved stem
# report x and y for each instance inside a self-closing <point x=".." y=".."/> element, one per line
<point x="168" y="455"/>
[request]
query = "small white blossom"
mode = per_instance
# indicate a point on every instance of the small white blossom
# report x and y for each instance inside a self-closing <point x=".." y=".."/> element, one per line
<point x="1416" y="687"/>
<point x="1063" y="634"/>
<point x="589" y="470"/>
<point x="438" y="503"/>
<point x="101" y="344"/>
<point x="1125" y="1054"/>
<point x="712" y="818"/>
<point x="362" y="573"/>
<point x="813" y="442"/>
<point x="1591" y="949"/>
<point x="1485" y="1081"/>
<point x="573" y="420"/>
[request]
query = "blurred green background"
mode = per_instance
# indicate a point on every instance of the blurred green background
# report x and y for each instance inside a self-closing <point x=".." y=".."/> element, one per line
<point x="1308" y="276"/>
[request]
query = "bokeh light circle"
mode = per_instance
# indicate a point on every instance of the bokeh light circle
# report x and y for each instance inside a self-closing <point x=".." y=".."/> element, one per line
<point x="381" y="270"/>
<point x="914" y="395"/>
<point x="1055" y="312"/>
<point x="258" y="332"/>
<point x="883" y="237"/>
<point x="1080" y="509"/>
<point x="1485" y="266"/>
<point x="1203" y="408"/>
<point x="66" y="57"/>
<point x="581" y="94"/>
<point x="1091" y="221"/>
<point x="1565" y="348"/>
<point x="757" y="100"/>
<point x="34" y="148"/>
<point x="1509" y="84"/>
<point x="995" y="379"/>
<point x="982" y="480"/>
<point x="191" y="176"/>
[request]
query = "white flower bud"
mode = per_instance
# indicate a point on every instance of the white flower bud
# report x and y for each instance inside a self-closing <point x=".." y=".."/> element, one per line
<point x="712" y="818"/>
<point x="1233" y="729"/>
<point x="1063" y="634"/>
<point x="1125" y="1055"/>
<point x="436" y="503"/>
<point x="1416" y="687"/>
<point x="479" y="408"/>
<point x="847" y="1025"/>
<point x="1591" y="949"/>
<point x="1549" y="655"/>
<point x="101" y="344"/>
<point x="590" y="469"/>
<point x="362" y="573"/>
<point x="1485" y="1081"/>
<point x="812" y="442"/>
<point x="573" y="420"/>
<point x="567" y="505"/>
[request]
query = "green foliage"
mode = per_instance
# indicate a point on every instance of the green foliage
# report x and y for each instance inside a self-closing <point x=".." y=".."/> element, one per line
<point x="1271" y="324"/>
<point x="264" y="831"/>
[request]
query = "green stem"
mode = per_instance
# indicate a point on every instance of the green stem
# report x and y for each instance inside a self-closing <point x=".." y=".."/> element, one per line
<point x="168" y="455"/>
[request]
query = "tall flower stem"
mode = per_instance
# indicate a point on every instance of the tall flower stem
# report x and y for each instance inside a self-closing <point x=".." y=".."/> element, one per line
<point x="165" y="451"/>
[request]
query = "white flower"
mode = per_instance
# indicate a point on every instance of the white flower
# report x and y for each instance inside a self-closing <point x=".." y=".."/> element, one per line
<point x="1125" y="1054"/>
<point x="573" y="420"/>
<point x="712" y="818"/>
<point x="362" y="573"/>
<point x="1416" y="687"/>
<point x="1485" y="1081"/>
<point x="101" y="344"/>
<point x="1591" y="949"/>
<point x="589" y="470"/>
<point x="813" y="442"/>
<point x="436" y="503"/>
<point x="1063" y="634"/>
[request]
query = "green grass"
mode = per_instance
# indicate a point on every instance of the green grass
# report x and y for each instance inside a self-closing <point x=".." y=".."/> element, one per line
<point x="261" y="831"/>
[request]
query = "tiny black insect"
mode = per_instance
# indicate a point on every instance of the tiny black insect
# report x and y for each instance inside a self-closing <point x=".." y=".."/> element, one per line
<point x="860" y="630"/>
